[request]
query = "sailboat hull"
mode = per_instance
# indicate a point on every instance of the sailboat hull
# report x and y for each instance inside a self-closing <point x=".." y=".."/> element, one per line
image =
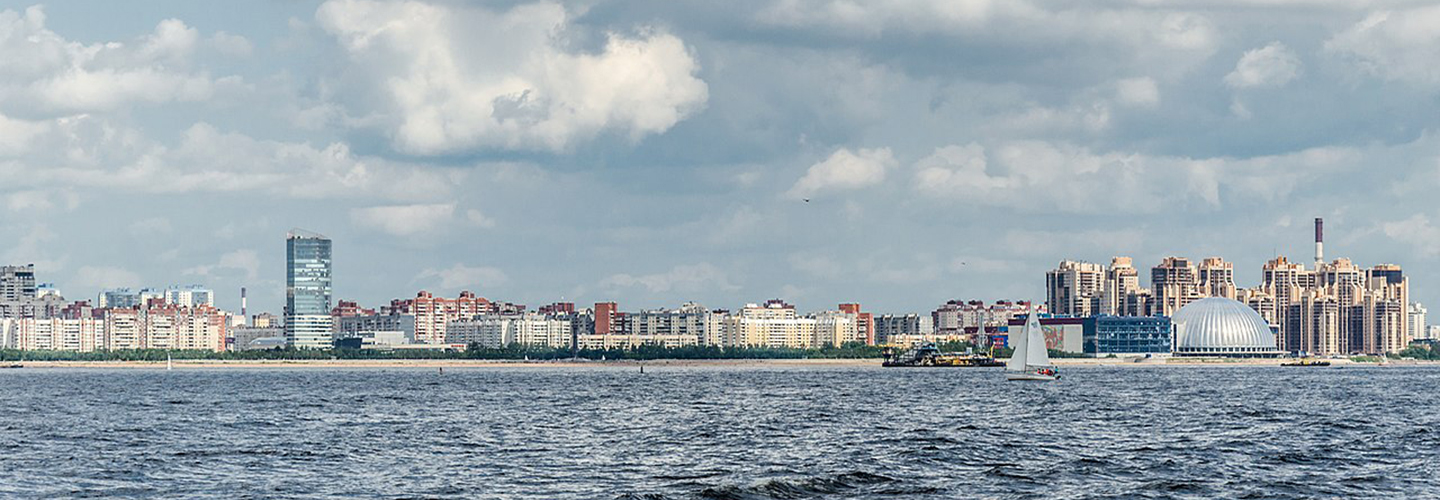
<point x="1036" y="377"/>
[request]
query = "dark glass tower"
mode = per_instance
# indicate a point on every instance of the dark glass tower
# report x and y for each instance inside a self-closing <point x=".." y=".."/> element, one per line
<point x="307" y="290"/>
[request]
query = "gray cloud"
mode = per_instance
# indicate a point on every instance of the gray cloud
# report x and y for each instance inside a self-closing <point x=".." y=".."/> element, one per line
<point x="651" y="152"/>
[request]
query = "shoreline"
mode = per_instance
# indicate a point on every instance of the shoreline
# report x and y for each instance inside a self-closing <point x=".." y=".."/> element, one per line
<point x="657" y="363"/>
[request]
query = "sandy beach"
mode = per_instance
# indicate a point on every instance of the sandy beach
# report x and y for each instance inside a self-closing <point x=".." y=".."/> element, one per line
<point x="659" y="363"/>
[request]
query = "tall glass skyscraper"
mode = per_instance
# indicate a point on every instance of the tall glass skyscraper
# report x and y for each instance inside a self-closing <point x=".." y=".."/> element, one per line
<point x="307" y="290"/>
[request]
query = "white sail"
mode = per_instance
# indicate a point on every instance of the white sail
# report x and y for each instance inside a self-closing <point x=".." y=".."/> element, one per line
<point x="1035" y="355"/>
<point x="1018" y="342"/>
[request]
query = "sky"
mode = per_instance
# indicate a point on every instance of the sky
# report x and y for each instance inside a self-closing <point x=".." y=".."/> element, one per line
<point x="896" y="153"/>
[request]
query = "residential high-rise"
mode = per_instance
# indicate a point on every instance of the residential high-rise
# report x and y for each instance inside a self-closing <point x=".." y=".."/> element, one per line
<point x="433" y="315"/>
<point x="1121" y="281"/>
<point x="863" y="320"/>
<point x="891" y="326"/>
<point x="17" y="283"/>
<point x="607" y="318"/>
<point x="1074" y="288"/>
<point x="190" y="296"/>
<point x="119" y="298"/>
<point x="1217" y="278"/>
<point x="1416" y="322"/>
<point x="307" y="290"/>
<point x="776" y="325"/>
<point x="1176" y="283"/>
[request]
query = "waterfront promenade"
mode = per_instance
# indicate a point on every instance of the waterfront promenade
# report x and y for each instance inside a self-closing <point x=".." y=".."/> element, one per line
<point x="667" y="363"/>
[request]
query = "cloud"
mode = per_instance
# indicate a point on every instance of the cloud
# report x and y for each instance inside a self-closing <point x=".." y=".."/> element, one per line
<point x="405" y="220"/>
<point x="1041" y="176"/>
<point x="1167" y="41"/>
<point x="34" y="246"/>
<point x="1138" y="92"/>
<point x="94" y="152"/>
<point x="100" y="277"/>
<point x="152" y="225"/>
<point x="479" y="219"/>
<point x="1394" y="45"/>
<point x="844" y="171"/>
<point x="465" y="78"/>
<point x="462" y="276"/>
<point x="16" y="136"/>
<point x="41" y="201"/>
<point x="231" y="45"/>
<point x="1033" y="243"/>
<point x="682" y="278"/>
<point x="46" y="73"/>
<point x="241" y="260"/>
<point x="1415" y="231"/>
<point x="1273" y="65"/>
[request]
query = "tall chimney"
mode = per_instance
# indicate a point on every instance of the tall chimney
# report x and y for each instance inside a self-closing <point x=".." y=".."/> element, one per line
<point x="243" y="317"/>
<point x="1319" y="242"/>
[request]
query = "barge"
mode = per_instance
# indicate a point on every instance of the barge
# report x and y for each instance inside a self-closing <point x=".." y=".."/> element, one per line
<point x="928" y="355"/>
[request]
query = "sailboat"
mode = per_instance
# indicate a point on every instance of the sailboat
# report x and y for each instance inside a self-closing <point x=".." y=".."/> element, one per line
<point x="169" y="365"/>
<point x="1030" y="361"/>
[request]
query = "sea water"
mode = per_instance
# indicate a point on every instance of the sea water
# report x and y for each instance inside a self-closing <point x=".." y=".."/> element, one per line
<point x="720" y="432"/>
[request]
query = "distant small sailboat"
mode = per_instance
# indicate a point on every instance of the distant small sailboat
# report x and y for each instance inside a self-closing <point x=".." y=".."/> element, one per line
<point x="1030" y="361"/>
<point x="169" y="364"/>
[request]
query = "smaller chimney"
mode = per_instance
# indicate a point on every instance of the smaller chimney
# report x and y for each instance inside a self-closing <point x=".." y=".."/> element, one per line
<point x="1319" y="242"/>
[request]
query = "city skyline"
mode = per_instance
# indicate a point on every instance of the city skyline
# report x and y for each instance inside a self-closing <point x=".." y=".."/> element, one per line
<point x="221" y="300"/>
<point x="942" y="156"/>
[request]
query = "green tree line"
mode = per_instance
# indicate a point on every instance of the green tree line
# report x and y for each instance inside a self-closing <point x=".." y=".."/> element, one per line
<point x="1419" y="351"/>
<point x="854" y="350"/>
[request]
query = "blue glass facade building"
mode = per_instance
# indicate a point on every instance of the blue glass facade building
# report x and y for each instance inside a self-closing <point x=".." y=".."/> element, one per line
<point x="1127" y="335"/>
<point x="307" y="290"/>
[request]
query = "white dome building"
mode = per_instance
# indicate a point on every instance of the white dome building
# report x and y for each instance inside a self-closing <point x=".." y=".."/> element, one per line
<point x="1218" y="326"/>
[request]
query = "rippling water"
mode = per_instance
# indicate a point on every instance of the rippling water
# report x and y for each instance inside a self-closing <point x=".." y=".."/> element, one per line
<point x="720" y="432"/>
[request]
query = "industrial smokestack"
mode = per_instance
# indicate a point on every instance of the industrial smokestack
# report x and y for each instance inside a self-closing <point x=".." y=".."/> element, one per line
<point x="1319" y="241"/>
<point x="244" y="319"/>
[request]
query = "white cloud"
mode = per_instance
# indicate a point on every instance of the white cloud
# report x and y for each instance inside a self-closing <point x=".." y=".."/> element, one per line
<point x="1155" y="39"/>
<point x="1239" y="109"/>
<point x="959" y="171"/>
<point x="1394" y="45"/>
<point x="1273" y="65"/>
<point x="100" y="277"/>
<point x="1044" y="176"/>
<point x="241" y="260"/>
<point x="1139" y="92"/>
<point x="682" y="278"/>
<point x="47" y="73"/>
<point x="92" y="152"/>
<point x="1415" y="231"/>
<point x="1033" y="243"/>
<point x="231" y="45"/>
<point x="843" y="171"/>
<point x="16" y="136"/>
<point x="1031" y="119"/>
<point x="35" y="246"/>
<point x="479" y="219"/>
<point x="41" y="201"/>
<point x="462" y="276"/>
<point x="461" y="78"/>
<point x="405" y="220"/>
<point x="245" y="259"/>
<point x="151" y="225"/>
